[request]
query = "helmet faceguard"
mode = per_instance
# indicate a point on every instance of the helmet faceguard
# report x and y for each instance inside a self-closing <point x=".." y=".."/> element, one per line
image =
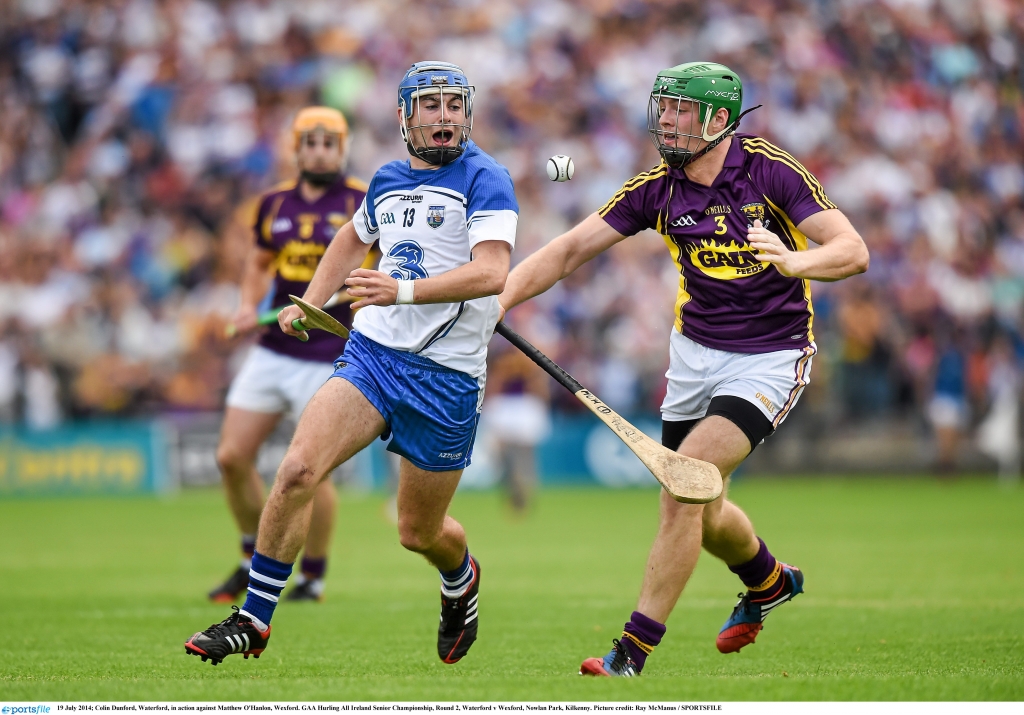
<point x="678" y="146"/>
<point x="699" y="90"/>
<point x="443" y="139"/>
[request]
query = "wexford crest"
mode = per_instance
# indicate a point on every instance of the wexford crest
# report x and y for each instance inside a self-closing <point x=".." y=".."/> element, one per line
<point x="435" y="216"/>
<point x="754" y="212"/>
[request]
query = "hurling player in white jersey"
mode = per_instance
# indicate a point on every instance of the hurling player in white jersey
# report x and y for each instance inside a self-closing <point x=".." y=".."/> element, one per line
<point x="413" y="369"/>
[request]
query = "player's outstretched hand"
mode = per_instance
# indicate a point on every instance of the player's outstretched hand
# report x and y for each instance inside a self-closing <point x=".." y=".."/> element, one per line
<point x="371" y="288"/>
<point x="770" y="248"/>
<point x="285" y="318"/>
<point x="245" y="320"/>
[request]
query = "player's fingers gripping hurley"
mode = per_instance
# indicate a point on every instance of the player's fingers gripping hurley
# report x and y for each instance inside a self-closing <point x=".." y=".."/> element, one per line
<point x="316" y="318"/>
<point x="290" y="321"/>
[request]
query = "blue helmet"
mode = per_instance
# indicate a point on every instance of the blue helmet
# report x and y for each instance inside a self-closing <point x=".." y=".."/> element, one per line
<point x="424" y="79"/>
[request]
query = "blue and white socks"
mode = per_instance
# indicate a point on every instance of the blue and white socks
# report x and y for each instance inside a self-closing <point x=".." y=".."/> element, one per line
<point x="267" y="578"/>
<point x="456" y="582"/>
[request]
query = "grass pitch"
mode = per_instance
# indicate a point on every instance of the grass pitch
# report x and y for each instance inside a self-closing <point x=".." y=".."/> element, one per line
<point x="915" y="590"/>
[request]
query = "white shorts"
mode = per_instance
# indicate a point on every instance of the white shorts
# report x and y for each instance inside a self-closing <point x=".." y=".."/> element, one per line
<point x="948" y="411"/>
<point x="770" y="381"/>
<point x="275" y="383"/>
<point x="517" y="419"/>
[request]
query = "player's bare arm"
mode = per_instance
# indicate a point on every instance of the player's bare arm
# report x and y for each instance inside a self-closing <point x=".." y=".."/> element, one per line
<point x="483" y="276"/>
<point x="255" y="282"/>
<point x="842" y="253"/>
<point x="558" y="259"/>
<point x="345" y="253"/>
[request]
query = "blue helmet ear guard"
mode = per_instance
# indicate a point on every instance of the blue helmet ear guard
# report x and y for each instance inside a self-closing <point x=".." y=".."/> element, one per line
<point x="439" y="80"/>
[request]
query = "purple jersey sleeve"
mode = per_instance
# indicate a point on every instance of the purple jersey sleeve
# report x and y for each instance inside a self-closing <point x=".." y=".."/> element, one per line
<point x="636" y="206"/>
<point x="261" y="229"/>
<point x="784" y="180"/>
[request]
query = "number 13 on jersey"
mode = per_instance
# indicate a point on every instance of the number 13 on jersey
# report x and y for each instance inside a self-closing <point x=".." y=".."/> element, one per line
<point x="408" y="216"/>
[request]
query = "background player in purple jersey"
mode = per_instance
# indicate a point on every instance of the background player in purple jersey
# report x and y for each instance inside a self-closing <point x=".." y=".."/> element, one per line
<point x="736" y="213"/>
<point x="294" y="224"/>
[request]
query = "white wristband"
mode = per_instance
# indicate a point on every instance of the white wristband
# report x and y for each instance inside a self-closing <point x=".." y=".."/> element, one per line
<point x="405" y="293"/>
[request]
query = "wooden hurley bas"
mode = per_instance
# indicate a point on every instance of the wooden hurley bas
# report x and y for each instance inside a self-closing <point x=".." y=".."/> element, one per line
<point x="684" y="478"/>
<point x="317" y="319"/>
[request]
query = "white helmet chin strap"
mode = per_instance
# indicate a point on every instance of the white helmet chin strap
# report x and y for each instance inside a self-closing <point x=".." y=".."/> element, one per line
<point x="707" y="122"/>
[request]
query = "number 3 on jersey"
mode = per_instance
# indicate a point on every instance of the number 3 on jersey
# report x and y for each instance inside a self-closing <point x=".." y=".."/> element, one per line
<point x="409" y="257"/>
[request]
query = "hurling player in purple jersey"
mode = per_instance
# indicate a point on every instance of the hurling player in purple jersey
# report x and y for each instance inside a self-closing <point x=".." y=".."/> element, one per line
<point x="736" y="213"/>
<point x="293" y="225"/>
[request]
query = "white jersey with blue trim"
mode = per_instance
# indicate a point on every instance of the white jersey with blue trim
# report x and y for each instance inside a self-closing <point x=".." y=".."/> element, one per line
<point x="427" y="222"/>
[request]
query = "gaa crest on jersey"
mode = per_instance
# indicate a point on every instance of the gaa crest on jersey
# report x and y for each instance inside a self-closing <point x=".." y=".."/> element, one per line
<point x="435" y="216"/>
<point x="753" y="212"/>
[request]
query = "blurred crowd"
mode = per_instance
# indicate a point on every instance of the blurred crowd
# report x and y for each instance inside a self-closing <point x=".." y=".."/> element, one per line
<point x="135" y="133"/>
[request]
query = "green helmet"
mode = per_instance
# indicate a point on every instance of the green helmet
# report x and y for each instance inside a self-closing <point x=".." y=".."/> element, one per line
<point x="710" y="87"/>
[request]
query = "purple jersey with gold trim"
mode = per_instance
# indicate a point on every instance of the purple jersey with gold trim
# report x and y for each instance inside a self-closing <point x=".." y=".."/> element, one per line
<point x="299" y="233"/>
<point x="728" y="299"/>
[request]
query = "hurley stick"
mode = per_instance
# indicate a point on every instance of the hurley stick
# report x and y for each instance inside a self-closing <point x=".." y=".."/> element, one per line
<point x="269" y="317"/>
<point x="684" y="478"/>
<point x="316" y="318"/>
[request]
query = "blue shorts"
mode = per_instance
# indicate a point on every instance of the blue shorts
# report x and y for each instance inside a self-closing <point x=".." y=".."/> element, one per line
<point x="431" y="410"/>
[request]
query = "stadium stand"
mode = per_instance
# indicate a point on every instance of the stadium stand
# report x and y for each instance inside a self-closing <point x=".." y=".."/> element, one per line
<point x="134" y="134"/>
